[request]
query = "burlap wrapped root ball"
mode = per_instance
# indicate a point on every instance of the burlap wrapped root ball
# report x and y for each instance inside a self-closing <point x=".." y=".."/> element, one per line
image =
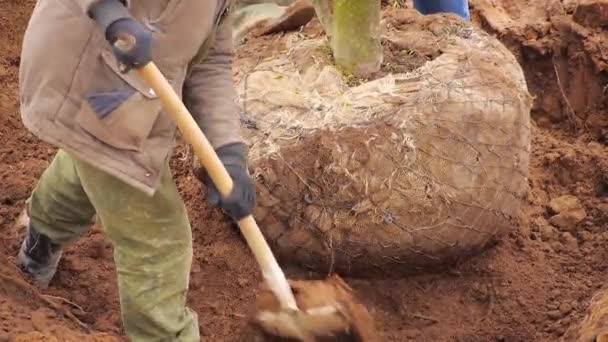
<point x="404" y="173"/>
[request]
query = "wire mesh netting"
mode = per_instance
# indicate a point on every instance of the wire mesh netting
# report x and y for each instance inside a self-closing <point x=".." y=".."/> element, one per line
<point x="396" y="175"/>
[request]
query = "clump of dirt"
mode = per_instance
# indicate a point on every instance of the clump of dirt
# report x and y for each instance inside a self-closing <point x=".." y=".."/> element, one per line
<point x="533" y="286"/>
<point x="350" y="323"/>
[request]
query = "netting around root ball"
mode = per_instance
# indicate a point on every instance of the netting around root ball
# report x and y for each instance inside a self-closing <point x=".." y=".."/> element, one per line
<point x="396" y="175"/>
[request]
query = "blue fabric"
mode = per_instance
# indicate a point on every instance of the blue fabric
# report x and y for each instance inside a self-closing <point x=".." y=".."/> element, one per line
<point x="105" y="103"/>
<point x="458" y="7"/>
<point x="140" y="53"/>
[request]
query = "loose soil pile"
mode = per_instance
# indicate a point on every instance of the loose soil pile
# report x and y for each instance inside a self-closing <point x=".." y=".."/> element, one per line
<point x="533" y="286"/>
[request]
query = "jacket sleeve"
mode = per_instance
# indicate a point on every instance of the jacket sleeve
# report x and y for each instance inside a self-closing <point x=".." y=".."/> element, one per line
<point x="86" y="5"/>
<point x="209" y="91"/>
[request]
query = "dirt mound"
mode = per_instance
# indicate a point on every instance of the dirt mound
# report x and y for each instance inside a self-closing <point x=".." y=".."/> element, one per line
<point x="563" y="47"/>
<point x="532" y="286"/>
<point x="28" y="315"/>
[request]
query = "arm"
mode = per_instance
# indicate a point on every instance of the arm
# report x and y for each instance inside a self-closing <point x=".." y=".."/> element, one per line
<point x="210" y="94"/>
<point x="87" y="4"/>
<point x="105" y="12"/>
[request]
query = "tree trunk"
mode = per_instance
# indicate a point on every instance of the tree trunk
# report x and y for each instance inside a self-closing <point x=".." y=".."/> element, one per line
<point x="354" y="30"/>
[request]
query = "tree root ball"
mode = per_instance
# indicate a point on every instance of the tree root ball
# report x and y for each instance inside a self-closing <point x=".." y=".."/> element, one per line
<point x="404" y="173"/>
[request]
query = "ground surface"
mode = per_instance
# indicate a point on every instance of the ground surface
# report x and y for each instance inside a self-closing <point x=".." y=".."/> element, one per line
<point x="532" y="287"/>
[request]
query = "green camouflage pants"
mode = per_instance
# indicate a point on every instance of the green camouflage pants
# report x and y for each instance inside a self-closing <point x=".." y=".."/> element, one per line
<point x="151" y="237"/>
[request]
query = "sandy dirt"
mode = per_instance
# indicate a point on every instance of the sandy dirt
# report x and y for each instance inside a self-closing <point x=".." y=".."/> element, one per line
<point x="533" y="286"/>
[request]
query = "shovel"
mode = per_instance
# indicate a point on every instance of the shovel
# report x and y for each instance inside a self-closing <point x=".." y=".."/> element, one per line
<point x="336" y="315"/>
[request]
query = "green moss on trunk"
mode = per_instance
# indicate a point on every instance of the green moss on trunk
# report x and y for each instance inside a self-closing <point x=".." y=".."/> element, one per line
<point x="355" y="36"/>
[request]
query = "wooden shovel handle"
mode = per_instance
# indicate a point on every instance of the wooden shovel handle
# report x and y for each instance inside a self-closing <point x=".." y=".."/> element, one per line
<point x="217" y="172"/>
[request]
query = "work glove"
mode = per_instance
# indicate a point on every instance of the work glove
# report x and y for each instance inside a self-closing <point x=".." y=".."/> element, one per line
<point x="116" y="22"/>
<point x="241" y="202"/>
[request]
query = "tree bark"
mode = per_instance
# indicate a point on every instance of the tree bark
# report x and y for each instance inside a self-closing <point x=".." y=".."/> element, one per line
<point x="353" y="27"/>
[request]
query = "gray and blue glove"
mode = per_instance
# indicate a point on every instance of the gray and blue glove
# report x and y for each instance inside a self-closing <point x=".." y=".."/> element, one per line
<point x="117" y="23"/>
<point x="241" y="202"/>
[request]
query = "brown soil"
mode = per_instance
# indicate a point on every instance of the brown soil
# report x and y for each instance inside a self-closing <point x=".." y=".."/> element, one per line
<point x="563" y="49"/>
<point x="532" y="286"/>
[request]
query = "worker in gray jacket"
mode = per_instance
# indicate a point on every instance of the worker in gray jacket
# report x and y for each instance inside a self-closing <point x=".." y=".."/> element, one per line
<point x="115" y="141"/>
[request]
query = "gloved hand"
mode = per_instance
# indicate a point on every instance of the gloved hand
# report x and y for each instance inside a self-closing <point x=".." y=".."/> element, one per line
<point x="115" y="21"/>
<point x="242" y="200"/>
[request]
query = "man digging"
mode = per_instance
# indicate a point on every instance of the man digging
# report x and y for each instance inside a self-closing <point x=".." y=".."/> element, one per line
<point x="115" y="142"/>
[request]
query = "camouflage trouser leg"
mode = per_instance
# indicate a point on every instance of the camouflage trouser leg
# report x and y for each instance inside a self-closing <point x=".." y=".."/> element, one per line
<point x="151" y="237"/>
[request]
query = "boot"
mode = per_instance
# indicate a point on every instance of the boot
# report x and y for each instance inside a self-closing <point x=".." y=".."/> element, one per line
<point x="39" y="257"/>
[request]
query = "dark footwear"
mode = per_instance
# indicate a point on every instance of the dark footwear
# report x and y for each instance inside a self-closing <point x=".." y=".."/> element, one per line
<point x="39" y="257"/>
